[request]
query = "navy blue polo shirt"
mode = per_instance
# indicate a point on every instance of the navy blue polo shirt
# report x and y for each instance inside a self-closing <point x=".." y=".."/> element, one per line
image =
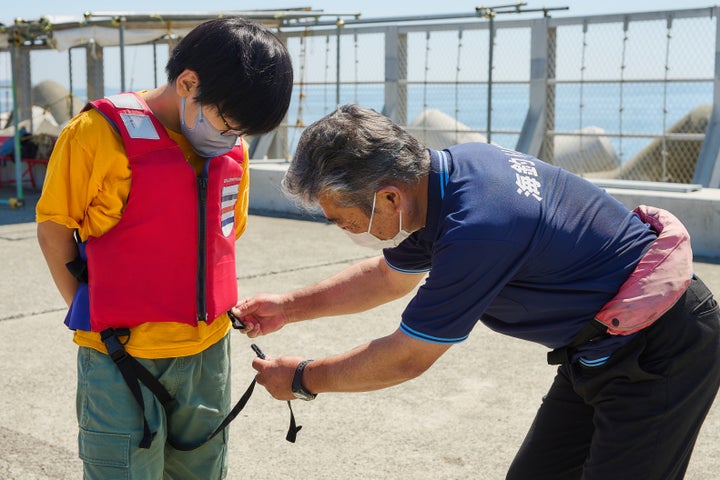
<point x="530" y="250"/>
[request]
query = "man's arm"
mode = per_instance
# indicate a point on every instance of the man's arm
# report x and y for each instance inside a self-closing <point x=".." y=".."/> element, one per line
<point x="359" y="287"/>
<point x="58" y="246"/>
<point x="381" y="363"/>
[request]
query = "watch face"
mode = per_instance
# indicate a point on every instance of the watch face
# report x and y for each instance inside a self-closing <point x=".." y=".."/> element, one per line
<point x="304" y="395"/>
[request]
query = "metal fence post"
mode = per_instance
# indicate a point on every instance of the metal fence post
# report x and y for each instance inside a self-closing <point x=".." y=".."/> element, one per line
<point x="547" y="151"/>
<point x="338" y="84"/>
<point x="534" y="127"/>
<point x="95" y="73"/>
<point x="22" y="103"/>
<point x="707" y="170"/>
<point x="396" y="76"/>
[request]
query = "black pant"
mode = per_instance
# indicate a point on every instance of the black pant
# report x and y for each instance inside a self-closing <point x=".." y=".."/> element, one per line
<point x="638" y="416"/>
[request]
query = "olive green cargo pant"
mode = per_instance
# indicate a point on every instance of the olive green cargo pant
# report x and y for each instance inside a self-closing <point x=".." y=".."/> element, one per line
<point x="111" y="424"/>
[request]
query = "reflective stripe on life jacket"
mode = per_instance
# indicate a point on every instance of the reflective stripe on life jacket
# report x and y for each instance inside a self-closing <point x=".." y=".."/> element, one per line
<point x="171" y="257"/>
<point x="659" y="279"/>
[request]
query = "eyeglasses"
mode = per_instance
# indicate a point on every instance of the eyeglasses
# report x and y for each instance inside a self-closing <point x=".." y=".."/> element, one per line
<point x="229" y="131"/>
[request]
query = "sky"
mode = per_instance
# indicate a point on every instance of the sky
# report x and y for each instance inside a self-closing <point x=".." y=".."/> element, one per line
<point x="34" y="9"/>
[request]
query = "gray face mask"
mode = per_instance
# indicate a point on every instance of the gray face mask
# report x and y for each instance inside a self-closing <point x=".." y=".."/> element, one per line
<point x="205" y="139"/>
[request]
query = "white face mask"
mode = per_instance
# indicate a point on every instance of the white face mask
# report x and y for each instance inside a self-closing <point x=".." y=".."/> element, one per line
<point x="368" y="240"/>
<point x="205" y="139"/>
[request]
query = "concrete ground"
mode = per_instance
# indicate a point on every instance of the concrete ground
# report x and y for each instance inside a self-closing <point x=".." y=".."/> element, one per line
<point x="464" y="418"/>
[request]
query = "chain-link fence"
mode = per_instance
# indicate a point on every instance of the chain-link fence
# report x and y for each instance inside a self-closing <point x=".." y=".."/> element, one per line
<point x="623" y="96"/>
<point x="632" y="96"/>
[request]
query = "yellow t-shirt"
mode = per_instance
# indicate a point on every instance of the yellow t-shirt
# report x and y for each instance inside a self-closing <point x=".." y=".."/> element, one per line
<point x="86" y="188"/>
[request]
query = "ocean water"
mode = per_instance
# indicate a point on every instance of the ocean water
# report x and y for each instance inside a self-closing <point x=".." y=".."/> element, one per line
<point x="631" y="108"/>
<point x="646" y="109"/>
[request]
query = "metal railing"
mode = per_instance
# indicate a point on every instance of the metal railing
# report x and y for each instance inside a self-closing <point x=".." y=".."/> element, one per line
<point x="624" y="97"/>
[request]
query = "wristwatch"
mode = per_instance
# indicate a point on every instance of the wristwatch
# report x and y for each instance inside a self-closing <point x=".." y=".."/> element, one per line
<point x="297" y="386"/>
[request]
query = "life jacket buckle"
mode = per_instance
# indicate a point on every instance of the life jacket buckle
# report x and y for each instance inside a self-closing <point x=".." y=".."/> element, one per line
<point x="236" y="322"/>
<point x="116" y="348"/>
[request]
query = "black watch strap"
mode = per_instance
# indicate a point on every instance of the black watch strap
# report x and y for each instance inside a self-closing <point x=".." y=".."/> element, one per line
<point x="297" y="386"/>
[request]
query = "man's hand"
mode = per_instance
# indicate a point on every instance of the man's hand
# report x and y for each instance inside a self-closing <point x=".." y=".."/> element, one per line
<point x="261" y="314"/>
<point x="276" y="375"/>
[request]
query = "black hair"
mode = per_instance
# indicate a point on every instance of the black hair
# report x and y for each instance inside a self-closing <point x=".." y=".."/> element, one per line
<point x="244" y="70"/>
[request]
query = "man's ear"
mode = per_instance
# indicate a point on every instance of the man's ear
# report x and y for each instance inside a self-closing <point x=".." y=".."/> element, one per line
<point x="391" y="197"/>
<point x="187" y="83"/>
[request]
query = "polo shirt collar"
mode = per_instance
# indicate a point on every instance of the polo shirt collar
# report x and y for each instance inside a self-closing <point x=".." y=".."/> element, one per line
<point x="437" y="183"/>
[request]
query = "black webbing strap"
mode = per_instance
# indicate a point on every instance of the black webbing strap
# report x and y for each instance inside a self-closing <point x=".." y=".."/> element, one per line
<point x="78" y="269"/>
<point x="590" y="331"/>
<point x="226" y="421"/>
<point x="293" y="429"/>
<point x="134" y="372"/>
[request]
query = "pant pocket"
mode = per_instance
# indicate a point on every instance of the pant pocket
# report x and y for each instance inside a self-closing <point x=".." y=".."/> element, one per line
<point x="105" y="455"/>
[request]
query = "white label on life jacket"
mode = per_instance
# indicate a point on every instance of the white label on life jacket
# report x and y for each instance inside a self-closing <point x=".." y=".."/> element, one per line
<point x="125" y="100"/>
<point x="139" y="126"/>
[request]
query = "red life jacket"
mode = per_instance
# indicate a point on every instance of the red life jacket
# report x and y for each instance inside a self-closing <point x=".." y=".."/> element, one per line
<point x="659" y="279"/>
<point x="171" y="257"/>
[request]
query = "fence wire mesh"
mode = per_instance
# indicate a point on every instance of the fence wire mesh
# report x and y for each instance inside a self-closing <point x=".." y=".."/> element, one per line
<point x="632" y="99"/>
<point x="627" y="97"/>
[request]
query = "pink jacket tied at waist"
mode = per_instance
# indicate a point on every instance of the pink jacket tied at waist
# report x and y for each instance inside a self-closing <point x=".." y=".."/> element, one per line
<point x="659" y="279"/>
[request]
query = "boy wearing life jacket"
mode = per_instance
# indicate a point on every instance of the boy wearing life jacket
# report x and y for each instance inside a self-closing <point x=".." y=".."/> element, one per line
<point x="144" y="197"/>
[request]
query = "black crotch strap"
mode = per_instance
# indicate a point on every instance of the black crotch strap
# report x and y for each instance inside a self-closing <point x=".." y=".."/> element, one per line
<point x="134" y="372"/>
<point x="293" y="428"/>
<point x="590" y="331"/>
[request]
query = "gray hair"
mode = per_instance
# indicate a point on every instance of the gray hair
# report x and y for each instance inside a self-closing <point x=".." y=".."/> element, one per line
<point x="352" y="153"/>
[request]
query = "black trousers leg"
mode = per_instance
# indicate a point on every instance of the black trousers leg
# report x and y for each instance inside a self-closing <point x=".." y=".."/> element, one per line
<point x="639" y="415"/>
<point x="558" y="441"/>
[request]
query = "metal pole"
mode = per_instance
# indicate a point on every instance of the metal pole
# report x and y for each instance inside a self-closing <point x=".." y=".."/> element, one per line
<point x="491" y="51"/>
<point x="533" y="130"/>
<point x="155" y="64"/>
<point x="70" y="83"/>
<point x="339" y="24"/>
<point x="489" y="13"/>
<point x="122" y="53"/>
<point x="16" y="123"/>
<point x="707" y="170"/>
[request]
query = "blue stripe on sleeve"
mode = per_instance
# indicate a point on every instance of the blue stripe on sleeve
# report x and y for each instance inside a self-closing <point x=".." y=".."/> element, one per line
<point x="429" y="338"/>
<point x="403" y="270"/>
